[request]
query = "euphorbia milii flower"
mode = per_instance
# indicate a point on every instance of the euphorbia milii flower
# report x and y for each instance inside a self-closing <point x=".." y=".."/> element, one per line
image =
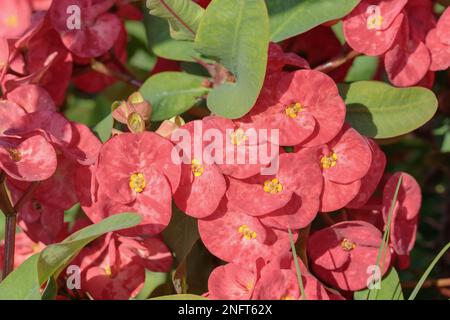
<point x="4" y="57"/>
<point x="96" y="32"/>
<point x="279" y="281"/>
<point x="30" y="159"/>
<point x="10" y="113"/>
<point x="299" y="105"/>
<point x="344" y="161"/>
<point x="408" y="61"/>
<point x="233" y="282"/>
<point x="138" y="173"/>
<point x="15" y="18"/>
<point x="341" y="254"/>
<point x="438" y="42"/>
<point x="373" y="177"/>
<point x="234" y="236"/>
<point x="371" y="28"/>
<point x="405" y="215"/>
<point x="198" y="178"/>
<point x="32" y="98"/>
<point x="287" y="199"/>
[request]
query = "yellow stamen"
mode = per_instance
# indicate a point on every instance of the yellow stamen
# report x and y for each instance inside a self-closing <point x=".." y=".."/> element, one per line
<point x="11" y="21"/>
<point x="287" y="297"/>
<point x="137" y="182"/>
<point x="108" y="271"/>
<point x="14" y="154"/>
<point x="347" y="245"/>
<point x="238" y="137"/>
<point x="197" y="168"/>
<point x="374" y="22"/>
<point x="329" y="161"/>
<point x="249" y="286"/>
<point x="273" y="186"/>
<point x="36" y="247"/>
<point x="247" y="232"/>
<point x="293" y="110"/>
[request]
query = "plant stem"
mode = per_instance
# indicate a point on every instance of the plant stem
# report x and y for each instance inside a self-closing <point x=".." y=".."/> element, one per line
<point x="347" y="55"/>
<point x="127" y="78"/>
<point x="10" y="242"/>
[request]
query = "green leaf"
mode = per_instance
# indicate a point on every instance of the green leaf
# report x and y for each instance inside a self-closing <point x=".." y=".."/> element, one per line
<point x="172" y="93"/>
<point x="162" y="44"/>
<point x="24" y="282"/>
<point x="183" y="16"/>
<point x="390" y="288"/>
<point x="235" y="32"/>
<point x="428" y="271"/>
<point x="180" y="297"/>
<point x="181" y="234"/>
<point x="104" y="127"/>
<point x="56" y="257"/>
<point x="363" y="68"/>
<point x="51" y="290"/>
<point x="292" y="17"/>
<point x="378" y="110"/>
<point x="152" y="281"/>
<point x="297" y="266"/>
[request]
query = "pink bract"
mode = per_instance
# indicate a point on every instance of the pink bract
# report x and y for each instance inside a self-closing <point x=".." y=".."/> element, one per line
<point x="99" y="29"/>
<point x="341" y="254"/>
<point x="237" y="237"/>
<point x="15" y="18"/>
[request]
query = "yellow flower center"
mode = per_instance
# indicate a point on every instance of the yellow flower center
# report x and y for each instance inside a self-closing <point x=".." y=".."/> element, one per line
<point x="197" y="168"/>
<point x="11" y="21"/>
<point x="347" y="245"/>
<point x="293" y="109"/>
<point x="247" y="232"/>
<point x="108" y="271"/>
<point x="273" y="186"/>
<point x="287" y="297"/>
<point x="238" y="137"/>
<point x="14" y="154"/>
<point x="36" y="248"/>
<point x="374" y="22"/>
<point x="329" y="161"/>
<point x="137" y="182"/>
<point x="249" y="285"/>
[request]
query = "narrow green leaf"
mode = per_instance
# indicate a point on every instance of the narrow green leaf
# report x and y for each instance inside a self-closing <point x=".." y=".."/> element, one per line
<point x="235" y="32"/>
<point x="428" y="271"/>
<point x="378" y="110"/>
<point x="51" y="290"/>
<point x="390" y="288"/>
<point x="297" y="266"/>
<point x="292" y="17"/>
<point x="172" y="93"/>
<point x="180" y="297"/>
<point x="22" y="283"/>
<point x="183" y="16"/>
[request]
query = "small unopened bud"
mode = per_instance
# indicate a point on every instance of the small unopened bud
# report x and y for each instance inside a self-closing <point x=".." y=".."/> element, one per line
<point x="135" y="123"/>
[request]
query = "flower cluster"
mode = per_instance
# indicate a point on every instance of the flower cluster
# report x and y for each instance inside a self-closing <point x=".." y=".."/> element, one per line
<point x="310" y="164"/>
<point x="405" y="34"/>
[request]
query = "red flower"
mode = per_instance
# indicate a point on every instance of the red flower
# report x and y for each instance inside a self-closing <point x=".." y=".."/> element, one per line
<point x="199" y="178"/>
<point x="233" y="282"/>
<point x="288" y="199"/>
<point x="341" y="254"/>
<point x="344" y="161"/>
<point x="32" y="98"/>
<point x="136" y="173"/>
<point x="98" y="31"/>
<point x="299" y="104"/>
<point x="371" y="180"/>
<point x="405" y="215"/>
<point x="278" y="281"/>
<point x="15" y="18"/>
<point x="438" y="42"/>
<point x="373" y="32"/>
<point x="24" y="248"/>
<point x="234" y="236"/>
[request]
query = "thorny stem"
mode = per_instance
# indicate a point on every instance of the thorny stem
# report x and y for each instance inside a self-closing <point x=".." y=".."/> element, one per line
<point x="347" y="55"/>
